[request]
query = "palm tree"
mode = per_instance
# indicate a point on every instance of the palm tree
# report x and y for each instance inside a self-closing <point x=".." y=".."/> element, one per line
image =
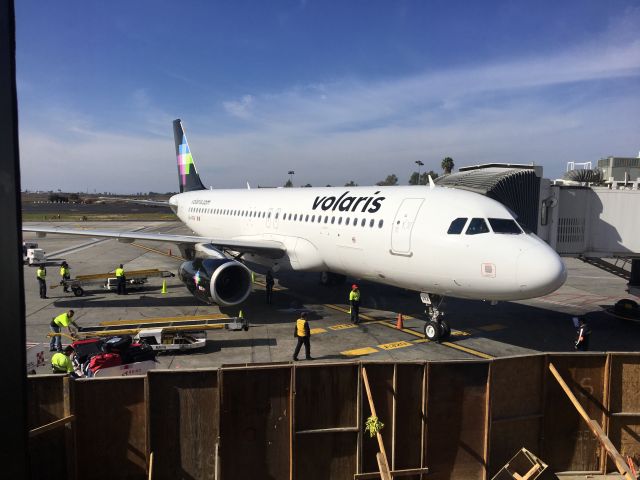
<point x="447" y="165"/>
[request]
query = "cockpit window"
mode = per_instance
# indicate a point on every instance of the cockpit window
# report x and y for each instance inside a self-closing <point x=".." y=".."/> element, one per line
<point x="505" y="225"/>
<point x="476" y="226"/>
<point x="456" y="226"/>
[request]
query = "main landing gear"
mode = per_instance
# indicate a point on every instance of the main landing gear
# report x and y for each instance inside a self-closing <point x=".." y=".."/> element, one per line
<point x="435" y="329"/>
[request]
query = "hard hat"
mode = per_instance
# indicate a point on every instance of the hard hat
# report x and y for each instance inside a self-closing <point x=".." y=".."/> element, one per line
<point x="354" y="286"/>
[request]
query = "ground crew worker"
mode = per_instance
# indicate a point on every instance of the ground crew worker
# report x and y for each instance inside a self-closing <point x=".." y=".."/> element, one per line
<point x="269" y="283"/>
<point x="61" y="361"/>
<point x="354" y="301"/>
<point x="303" y="334"/>
<point x="582" y="340"/>
<point x="41" y="275"/>
<point x="122" y="288"/>
<point x="63" y="320"/>
<point x="65" y="275"/>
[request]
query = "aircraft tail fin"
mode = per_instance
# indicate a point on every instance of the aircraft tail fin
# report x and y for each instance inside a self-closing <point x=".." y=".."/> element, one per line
<point x="187" y="173"/>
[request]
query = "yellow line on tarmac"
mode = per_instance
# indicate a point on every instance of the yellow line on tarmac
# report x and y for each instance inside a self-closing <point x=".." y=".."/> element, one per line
<point x="359" y="351"/>
<point x="315" y="331"/>
<point x="470" y="351"/>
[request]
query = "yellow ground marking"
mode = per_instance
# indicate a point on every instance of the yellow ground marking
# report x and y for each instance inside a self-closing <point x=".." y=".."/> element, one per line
<point x="342" y="326"/>
<point x="191" y="318"/>
<point x="359" y="351"/>
<point x="460" y="333"/>
<point x="492" y="328"/>
<point x="155" y="250"/>
<point x="394" y="345"/>
<point x="470" y="351"/>
<point x="421" y="340"/>
<point x="315" y="331"/>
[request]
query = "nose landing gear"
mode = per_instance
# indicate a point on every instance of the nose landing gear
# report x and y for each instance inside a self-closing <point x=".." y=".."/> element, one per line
<point x="435" y="329"/>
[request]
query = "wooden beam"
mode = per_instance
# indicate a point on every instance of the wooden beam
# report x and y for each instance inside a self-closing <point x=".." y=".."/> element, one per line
<point x="594" y="426"/>
<point x="384" y="465"/>
<point x="328" y="430"/>
<point x="394" y="473"/>
<point x="51" y="426"/>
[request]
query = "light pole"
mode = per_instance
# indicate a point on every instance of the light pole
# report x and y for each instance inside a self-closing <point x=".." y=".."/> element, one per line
<point x="420" y="164"/>
<point x="291" y="174"/>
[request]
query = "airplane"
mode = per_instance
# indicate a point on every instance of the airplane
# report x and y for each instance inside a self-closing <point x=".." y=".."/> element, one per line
<point x="431" y="239"/>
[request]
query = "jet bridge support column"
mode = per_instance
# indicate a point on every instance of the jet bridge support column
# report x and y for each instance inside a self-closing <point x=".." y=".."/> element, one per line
<point x="634" y="281"/>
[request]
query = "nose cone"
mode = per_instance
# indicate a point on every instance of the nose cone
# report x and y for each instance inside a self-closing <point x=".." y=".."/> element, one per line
<point x="540" y="271"/>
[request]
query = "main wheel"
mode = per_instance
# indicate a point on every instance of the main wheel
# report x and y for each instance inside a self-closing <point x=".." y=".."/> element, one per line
<point x="445" y="330"/>
<point x="431" y="331"/>
<point x="78" y="291"/>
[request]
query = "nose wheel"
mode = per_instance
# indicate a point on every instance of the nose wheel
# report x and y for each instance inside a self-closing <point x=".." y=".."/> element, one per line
<point x="436" y="328"/>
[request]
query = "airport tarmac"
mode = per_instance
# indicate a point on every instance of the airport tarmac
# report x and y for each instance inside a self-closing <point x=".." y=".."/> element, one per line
<point x="480" y="330"/>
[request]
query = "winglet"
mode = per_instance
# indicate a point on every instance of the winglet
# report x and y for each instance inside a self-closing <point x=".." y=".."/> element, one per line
<point x="431" y="184"/>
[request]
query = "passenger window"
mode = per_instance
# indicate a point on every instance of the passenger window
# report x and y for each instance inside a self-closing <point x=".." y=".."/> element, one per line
<point x="380" y="223"/>
<point x="504" y="225"/>
<point x="333" y="220"/>
<point x="355" y="222"/>
<point x="363" y="222"/>
<point x="371" y="222"/>
<point x="306" y="219"/>
<point x="346" y="222"/>
<point x="339" y="220"/>
<point x="319" y="218"/>
<point x="313" y="218"/>
<point x="326" y="219"/>
<point x="457" y="226"/>
<point x="476" y="226"/>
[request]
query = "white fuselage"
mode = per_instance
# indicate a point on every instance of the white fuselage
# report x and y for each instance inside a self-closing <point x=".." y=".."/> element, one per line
<point x="391" y="235"/>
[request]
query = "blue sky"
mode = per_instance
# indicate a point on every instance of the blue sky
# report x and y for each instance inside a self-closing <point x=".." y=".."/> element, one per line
<point x="335" y="90"/>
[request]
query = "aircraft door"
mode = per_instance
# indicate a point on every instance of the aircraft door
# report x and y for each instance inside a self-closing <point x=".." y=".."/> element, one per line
<point x="403" y="225"/>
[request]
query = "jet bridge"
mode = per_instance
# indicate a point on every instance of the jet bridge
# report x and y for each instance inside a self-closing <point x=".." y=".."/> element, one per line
<point x="577" y="220"/>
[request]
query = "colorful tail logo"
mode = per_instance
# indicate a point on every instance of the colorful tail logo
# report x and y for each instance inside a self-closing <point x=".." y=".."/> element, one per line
<point x="189" y="178"/>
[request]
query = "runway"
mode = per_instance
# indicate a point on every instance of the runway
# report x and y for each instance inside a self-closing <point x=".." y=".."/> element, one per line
<point x="480" y="330"/>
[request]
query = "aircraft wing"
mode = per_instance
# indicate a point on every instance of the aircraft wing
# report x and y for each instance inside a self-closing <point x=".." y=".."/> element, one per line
<point x="266" y="248"/>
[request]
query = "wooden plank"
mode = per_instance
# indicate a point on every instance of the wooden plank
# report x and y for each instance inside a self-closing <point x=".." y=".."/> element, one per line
<point x="515" y="408"/>
<point x="378" y="386"/>
<point x="110" y="419"/>
<point x="456" y="406"/>
<point x="567" y="442"/>
<point x="183" y="406"/>
<point x="409" y="420"/>
<point x="328" y="430"/>
<point x="51" y="426"/>
<point x="383" y="461"/>
<point x="409" y="472"/>
<point x="593" y="425"/>
<point x="46" y="404"/>
<point x="254" y="423"/>
<point x="382" y="466"/>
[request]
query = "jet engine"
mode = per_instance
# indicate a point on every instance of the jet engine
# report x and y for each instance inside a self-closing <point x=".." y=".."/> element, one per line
<point x="216" y="280"/>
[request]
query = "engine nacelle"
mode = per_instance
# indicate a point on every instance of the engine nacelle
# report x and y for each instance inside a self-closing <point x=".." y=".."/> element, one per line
<point x="216" y="280"/>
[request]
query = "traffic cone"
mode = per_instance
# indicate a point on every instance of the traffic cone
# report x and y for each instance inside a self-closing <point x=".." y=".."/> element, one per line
<point x="164" y="286"/>
<point x="400" y="322"/>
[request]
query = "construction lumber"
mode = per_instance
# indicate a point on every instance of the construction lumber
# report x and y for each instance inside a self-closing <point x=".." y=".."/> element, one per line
<point x="613" y="453"/>
<point x="50" y="426"/>
<point x="383" y="462"/>
<point x="408" y="472"/>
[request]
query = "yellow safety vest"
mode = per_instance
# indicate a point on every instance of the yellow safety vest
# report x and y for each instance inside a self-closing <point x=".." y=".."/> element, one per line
<point x="300" y="324"/>
<point x="61" y="363"/>
<point x="354" y="295"/>
<point x="119" y="272"/>
<point x="64" y="271"/>
<point x="41" y="273"/>
<point x="62" y="320"/>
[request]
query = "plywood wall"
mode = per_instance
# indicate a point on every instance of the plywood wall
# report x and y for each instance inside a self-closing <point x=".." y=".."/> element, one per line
<point x="306" y="421"/>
